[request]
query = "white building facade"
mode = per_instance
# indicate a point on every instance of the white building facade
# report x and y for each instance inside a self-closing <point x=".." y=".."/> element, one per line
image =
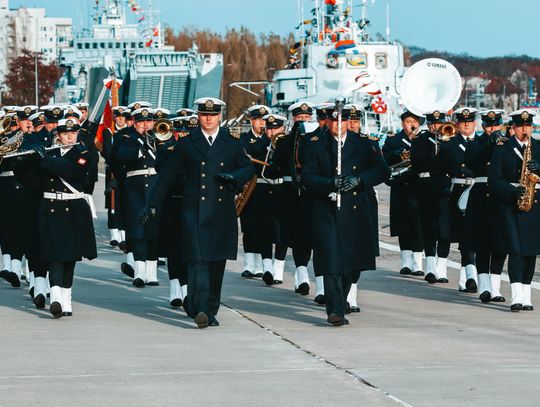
<point x="29" y="28"/>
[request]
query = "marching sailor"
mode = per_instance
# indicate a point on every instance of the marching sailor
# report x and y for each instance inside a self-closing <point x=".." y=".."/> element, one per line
<point x="214" y="166"/>
<point x="433" y="208"/>
<point x="343" y="237"/>
<point x="513" y="177"/>
<point x="111" y="182"/>
<point x="65" y="228"/>
<point x="482" y="225"/>
<point x="255" y="144"/>
<point x="137" y="153"/>
<point x="404" y="216"/>
<point x="452" y="178"/>
<point x="273" y="203"/>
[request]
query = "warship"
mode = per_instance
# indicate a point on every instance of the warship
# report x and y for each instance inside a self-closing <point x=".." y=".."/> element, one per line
<point x="150" y="70"/>
<point x="335" y="55"/>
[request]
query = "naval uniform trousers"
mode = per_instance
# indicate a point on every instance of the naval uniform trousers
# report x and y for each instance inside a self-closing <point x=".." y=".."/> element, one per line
<point x="61" y="274"/>
<point x="204" y="287"/>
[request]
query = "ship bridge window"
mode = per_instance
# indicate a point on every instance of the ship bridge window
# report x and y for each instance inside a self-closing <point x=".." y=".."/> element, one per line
<point x="94" y="45"/>
<point x="381" y="60"/>
<point x="117" y="45"/>
<point x="132" y="45"/>
<point x="79" y="46"/>
<point x="109" y="45"/>
<point x="86" y="46"/>
<point x="102" y="45"/>
<point x="141" y="45"/>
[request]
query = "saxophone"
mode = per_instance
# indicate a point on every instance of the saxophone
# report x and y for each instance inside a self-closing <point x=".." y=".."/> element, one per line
<point x="528" y="180"/>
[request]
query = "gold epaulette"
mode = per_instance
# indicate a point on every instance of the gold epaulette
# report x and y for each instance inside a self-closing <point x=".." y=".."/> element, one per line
<point x="235" y="135"/>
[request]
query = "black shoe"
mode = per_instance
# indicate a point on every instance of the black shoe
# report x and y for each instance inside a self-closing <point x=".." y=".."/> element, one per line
<point x="23" y="277"/>
<point x="176" y="303"/>
<point x="122" y="246"/>
<point x="56" y="310"/>
<point x="485" y="296"/>
<point x="247" y="274"/>
<point x="67" y="314"/>
<point x="4" y="274"/>
<point x="268" y="278"/>
<point x="13" y="279"/>
<point x="257" y="275"/>
<point x="303" y="289"/>
<point x="212" y="321"/>
<point x="443" y="280"/>
<point x="430" y="278"/>
<point x="138" y="283"/>
<point x="153" y="283"/>
<point x="498" y="298"/>
<point x="320" y="299"/>
<point x="463" y="290"/>
<point x="39" y="301"/>
<point x="470" y="284"/>
<point x="405" y="271"/>
<point x="114" y="243"/>
<point x="516" y="307"/>
<point x="277" y="282"/>
<point x="355" y="308"/>
<point x="347" y="308"/>
<point x="161" y="262"/>
<point x="417" y="273"/>
<point x="31" y="292"/>
<point x="527" y="308"/>
<point x="337" y="320"/>
<point x="201" y="319"/>
<point x="127" y="270"/>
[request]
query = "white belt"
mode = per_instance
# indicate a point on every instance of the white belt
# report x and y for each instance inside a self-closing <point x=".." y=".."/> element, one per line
<point x="463" y="181"/>
<point x="517" y="184"/>
<point x="7" y="174"/>
<point x="148" y="171"/>
<point x="62" y="196"/>
<point x="270" y="181"/>
<point x="424" y="175"/>
<point x="287" y="178"/>
<point x="481" y="179"/>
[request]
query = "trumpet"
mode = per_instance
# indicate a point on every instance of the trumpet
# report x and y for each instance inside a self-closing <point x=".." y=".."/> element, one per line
<point x="447" y="131"/>
<point x="163" y="129"/>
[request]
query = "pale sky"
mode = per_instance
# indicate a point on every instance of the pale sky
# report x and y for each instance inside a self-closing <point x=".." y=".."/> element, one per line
<point x="477" y="27"/>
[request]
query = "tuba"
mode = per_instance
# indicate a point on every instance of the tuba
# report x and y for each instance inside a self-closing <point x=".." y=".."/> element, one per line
<point x="430" y="84"/>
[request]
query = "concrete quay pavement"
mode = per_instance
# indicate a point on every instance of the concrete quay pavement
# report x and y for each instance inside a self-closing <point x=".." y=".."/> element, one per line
<point x="413" y="344"/>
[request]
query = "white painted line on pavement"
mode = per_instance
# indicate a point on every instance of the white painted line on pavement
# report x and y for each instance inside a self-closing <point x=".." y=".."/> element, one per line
<point x="452" y="264"/>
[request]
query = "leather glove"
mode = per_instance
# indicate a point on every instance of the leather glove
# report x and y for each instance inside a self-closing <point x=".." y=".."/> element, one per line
<point x="226" y="179"/>
<point x="534" y="167"/>
<point x="148" y="213"/>
<point x="113" y="184"/>
<point x="338" y="182"/>
<point x="518" y="192"/>
<point x="351" y="182"/>
<point x="40" y="150"/>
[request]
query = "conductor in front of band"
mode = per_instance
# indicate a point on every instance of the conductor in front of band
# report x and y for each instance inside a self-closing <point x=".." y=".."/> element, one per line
<point x="215" y="167"/>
